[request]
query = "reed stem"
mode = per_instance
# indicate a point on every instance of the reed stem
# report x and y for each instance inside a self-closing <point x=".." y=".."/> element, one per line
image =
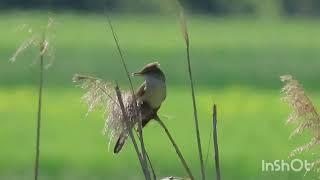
<point x="184" y="29"/>
<point x="215" y="142"/>
<point x="149" y="160"/>
<point x="143" y="149"/>
<point x="183" y="161"/>
<point x="39" y="113"/>
<point x="124" y="114"/>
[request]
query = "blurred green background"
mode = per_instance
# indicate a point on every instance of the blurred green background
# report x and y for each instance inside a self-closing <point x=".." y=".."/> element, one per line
<point x="238" y="49"/>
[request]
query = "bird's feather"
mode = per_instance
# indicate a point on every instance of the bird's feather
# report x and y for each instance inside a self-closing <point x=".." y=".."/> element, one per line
<point x="141" y="90"/>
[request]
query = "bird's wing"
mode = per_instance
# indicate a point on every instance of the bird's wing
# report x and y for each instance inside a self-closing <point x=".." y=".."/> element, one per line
<point x="142" y="89"/>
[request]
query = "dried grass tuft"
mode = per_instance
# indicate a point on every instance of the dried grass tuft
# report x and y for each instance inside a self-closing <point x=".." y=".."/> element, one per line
<point x="41" y="39"/>
<point x="304" y="113"/>
<point x="101" y="95"/>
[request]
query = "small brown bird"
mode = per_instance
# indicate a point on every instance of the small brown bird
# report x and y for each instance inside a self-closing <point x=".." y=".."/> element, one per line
<point x="149" y="96"/>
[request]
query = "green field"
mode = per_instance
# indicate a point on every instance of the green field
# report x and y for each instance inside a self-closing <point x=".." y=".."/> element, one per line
<point x="237" y="63"/>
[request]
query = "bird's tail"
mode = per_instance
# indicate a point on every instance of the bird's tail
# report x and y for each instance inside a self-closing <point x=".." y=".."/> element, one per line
<point x="120" y="142"/>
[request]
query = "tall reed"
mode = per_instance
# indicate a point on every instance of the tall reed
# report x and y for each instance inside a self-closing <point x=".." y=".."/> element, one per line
<point x="185" y="33"/>
<point x="40" y="41"/>
<point x="41" y="76"/>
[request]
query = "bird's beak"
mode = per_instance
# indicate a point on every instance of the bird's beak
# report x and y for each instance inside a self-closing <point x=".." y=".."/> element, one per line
<point x="137" y="74"/>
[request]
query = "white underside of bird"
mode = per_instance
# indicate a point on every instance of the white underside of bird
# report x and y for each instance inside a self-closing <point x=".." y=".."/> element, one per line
<point x="154" y="91"/>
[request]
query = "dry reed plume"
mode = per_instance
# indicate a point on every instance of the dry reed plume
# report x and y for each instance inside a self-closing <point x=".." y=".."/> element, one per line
<point x="304" y="114"/>
<point x="119" y="109"/>
<point x="101" y="95"/>
<point x="39" y="40"/>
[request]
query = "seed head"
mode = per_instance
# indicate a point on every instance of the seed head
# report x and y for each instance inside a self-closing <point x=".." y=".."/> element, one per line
<point x="101" y="95"/>
<point x="304" y="114"/>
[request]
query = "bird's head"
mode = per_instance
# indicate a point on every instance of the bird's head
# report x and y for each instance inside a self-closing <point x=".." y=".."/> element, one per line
<point x="152" y="69"/>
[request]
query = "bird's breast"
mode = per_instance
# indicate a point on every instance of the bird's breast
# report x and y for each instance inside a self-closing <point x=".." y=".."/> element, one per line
<point x="155" y="92"/>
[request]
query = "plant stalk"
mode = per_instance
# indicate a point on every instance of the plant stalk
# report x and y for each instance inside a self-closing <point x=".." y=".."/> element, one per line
<point x="143" y="149"/>
<point x="183" y="161"/>
<point x="149" y="160"/>
<point x="195" y="112"/>
<point x="124" y="114"/>
<point x="38" y="134"/>
<point x="215" y="142"/>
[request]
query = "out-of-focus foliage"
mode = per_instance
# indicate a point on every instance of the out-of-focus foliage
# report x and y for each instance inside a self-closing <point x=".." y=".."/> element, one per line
<point x="221" y="7"/>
